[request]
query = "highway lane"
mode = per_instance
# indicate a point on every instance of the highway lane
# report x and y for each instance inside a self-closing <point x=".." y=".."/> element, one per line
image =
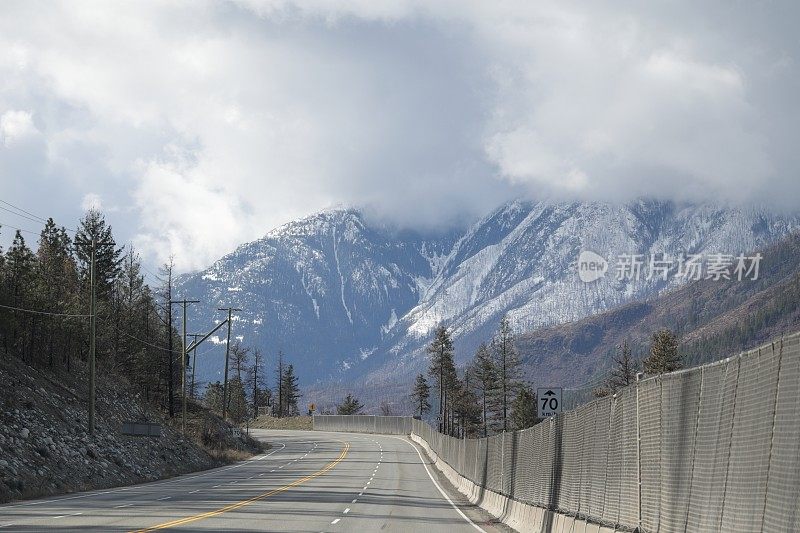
<point x="308" y="481"/>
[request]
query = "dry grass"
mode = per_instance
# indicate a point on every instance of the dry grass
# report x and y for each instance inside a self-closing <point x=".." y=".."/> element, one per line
<point x="290" y="422"/>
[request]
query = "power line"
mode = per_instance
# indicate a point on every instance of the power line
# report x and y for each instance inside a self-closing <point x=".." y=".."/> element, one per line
<point x="42" y="312"/>
<point x="20" y="229"/>
<point x="37" y="217"/>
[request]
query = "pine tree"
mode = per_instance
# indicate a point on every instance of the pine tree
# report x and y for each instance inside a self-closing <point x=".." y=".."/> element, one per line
<point x="171" y="370"/>
<point x="237" y="401"/>
<point x="523" y="409"/>
<point x="443" y="371"/>
<point x="280" y="388"/>
<point x="291" y="391"/>
<point x="663" y="353"/>
<point x="108" y="257"/>
<point x="20" y="268"/>
<point x="255" y="380"/>
<point x="625" y="368"/>
<point x="213" y="397"/>
<point x="350" y="406"/>
<point x="57" y="284"/>
<point x="507" y="367"/>
<point x="485" y="380"/>
<point x="467" y="408"/>
<point x="421" y="395"/>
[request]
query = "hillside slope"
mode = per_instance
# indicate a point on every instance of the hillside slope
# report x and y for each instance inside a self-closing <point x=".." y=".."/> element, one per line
<point x="45" y="448"/>
<point x="712" y="319"/>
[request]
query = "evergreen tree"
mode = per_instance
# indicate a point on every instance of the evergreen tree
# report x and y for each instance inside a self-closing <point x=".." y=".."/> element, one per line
<point x="108" y="257"/>
<point x="171" y="370"/>
<point x="421" y="395"/>
<point x="485" y="381"/>
<point x="663" y="353"/>
<point x="523" y="409"/>
<point x="507" y="367"/>
<point x="213" y="397"/>
<point x="237" y="401"/>
<point x="279" y="412"/>
<point x="467" y="409"/>
<point x="57" y="284"/>
<point x="20" y="269"/>
<point x="443" y="371"/>
<point x="291" y="391"/>
<point x="255" y="381"/>
<point x="350" y="406"/>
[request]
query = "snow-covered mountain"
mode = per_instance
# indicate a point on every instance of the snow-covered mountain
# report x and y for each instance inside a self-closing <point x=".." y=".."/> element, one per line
<point x="346" y="300"/>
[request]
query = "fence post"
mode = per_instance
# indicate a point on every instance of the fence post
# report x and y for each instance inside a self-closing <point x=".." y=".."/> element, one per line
<point x="638" y="458"/>
<point x="502" y="460"/>
<point x="730" y="441"/>
<point x="772" y="437"/>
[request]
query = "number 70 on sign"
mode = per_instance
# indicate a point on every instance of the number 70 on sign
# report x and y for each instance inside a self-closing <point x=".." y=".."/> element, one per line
<point x="548" y="401"/>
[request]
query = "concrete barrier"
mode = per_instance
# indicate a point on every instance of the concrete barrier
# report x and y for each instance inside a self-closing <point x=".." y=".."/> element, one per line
<point x="520" y="516"/>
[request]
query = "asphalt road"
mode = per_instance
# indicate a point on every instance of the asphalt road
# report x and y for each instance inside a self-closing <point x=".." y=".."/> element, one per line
<point x="308" y="481"/>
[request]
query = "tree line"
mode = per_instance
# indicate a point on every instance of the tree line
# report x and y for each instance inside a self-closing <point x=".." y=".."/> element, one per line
<point x="248" y="391"/>
<point x="486" y="397"/>
<point x="44" y="308"/>
<point x="44" y="321"/>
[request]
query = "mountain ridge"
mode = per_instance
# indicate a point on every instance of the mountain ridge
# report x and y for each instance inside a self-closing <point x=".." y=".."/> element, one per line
<point x="349" y="301"/>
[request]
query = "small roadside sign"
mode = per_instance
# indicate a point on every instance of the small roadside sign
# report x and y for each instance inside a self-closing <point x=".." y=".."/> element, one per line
<point x="548" y="401"/>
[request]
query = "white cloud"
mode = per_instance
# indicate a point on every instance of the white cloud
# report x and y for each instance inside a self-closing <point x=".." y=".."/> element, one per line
<point x="16" y="126"/>
<point x="210" y="123"/>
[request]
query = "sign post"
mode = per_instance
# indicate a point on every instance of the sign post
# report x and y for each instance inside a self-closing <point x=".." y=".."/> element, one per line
<point x="548" y="401"/>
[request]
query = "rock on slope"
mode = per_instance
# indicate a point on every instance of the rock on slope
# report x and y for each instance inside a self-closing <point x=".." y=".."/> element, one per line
<point x="45" y="448"/>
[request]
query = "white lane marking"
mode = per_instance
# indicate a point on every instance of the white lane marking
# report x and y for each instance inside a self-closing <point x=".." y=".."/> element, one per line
<point x="123" y="505"/>
<point x="59" y="516"/>
<point x="368" y="482"/>
<point x="335" y="521"/>
<point x="163" y="498"/>
<point x="441" y="491"/>
<point x="194" y="491"/>
<point x="354" y="501"/>
<point x="361" y="493"/>
<point x="76" y="514"/>
<point x="346" y="511"/>
<point x="365" y="487"/>
<point x="261" y="474"/>
<point x="272" y="470"/>
<point x="216" y="486"/>
<point x="7" y="525"/>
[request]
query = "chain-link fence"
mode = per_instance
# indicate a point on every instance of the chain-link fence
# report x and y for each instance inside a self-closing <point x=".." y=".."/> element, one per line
<point x="388" y="425"/>
<point x="712" y="448"/>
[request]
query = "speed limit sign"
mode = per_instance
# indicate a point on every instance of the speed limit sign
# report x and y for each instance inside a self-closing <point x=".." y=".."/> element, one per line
<point x="548" y="401"/>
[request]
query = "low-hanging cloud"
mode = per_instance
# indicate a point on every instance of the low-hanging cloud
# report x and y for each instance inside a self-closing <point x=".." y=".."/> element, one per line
<point x="206" y="124"/>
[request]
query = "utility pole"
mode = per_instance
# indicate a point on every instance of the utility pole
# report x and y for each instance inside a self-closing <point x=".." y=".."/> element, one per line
<point x="184" y="303"/>
<point x="93" y="323"/>
<point x="194" y="337"/>
<point x="227" y="355"/>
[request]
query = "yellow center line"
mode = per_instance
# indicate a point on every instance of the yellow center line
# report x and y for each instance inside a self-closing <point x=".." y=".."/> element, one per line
<point x="237" y="505"/>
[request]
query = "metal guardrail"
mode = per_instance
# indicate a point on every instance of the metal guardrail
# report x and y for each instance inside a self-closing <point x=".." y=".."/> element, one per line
<point x="387" y="425"/>
<point x="141" y="429"/>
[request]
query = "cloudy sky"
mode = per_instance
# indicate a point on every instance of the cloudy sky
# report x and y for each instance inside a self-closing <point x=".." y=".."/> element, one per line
<point x="200" y="125"/>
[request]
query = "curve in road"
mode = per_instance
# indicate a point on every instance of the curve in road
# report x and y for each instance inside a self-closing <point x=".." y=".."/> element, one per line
<point x="310" y="481"/>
